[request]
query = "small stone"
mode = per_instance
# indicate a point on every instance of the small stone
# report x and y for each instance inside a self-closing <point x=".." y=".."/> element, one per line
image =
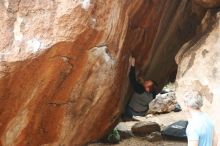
<point x="149" y="115"/>
<point x="154" y="136"/>
<point x="145" y="128"/>
<point x="177" y="108"/>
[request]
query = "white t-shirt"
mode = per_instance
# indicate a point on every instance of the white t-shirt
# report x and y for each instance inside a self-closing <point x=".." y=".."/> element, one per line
<point x="200" y="128"/>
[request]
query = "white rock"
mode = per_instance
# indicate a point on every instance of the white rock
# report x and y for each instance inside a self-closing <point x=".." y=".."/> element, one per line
<point x="163" y="103"/>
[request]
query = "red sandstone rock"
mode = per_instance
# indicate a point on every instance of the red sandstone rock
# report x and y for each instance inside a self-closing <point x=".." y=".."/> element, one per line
<point x="64" y="64"/>
<point x="208" y="3"/>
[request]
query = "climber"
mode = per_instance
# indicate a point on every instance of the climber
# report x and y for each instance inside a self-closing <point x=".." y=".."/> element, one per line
<point x="200" y="128"/>
<point x="144" y="93"/>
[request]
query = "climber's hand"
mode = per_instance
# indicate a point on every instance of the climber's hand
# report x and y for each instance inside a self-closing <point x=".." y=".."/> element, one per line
<point x="132" y="61"/>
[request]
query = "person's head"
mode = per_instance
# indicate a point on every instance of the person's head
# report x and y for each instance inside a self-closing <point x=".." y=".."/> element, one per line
<point x="149" y="85"/>
<point x="193" y="100"/>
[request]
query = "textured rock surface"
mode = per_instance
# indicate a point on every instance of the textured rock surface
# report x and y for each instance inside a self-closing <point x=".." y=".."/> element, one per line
<point x="163" y="103"/>
<point x="154" y="136"/>
<point x="145" y="128"/>
<point x="199" y="62"/>
<point x="64" y="63"/>
<point x="208" y="3"/>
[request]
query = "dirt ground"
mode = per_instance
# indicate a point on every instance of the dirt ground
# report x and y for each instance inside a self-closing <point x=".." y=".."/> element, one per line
<point x="142" y="142"/>
<point x="163" y="120"/>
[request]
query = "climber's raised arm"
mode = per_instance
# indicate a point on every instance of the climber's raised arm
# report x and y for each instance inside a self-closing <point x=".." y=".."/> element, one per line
<point x="139" y="88"/>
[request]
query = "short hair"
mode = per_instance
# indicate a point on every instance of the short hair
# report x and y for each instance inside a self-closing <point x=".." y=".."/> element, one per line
<point x="155" y="85"/>
<point x="193" y="99"/>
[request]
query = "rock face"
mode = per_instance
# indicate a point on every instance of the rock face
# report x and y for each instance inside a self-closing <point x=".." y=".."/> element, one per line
<point x="208" y="3"/>
<point x="163" y="103"/>
<point x="64" y="64"/>
<point x="199" y="62"/>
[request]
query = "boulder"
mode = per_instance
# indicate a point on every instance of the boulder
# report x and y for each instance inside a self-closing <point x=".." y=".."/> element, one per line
<point x="163" y="103"/>
<point x="143" y="129"/>
<point x="176" y="130"/>
<point x="154" y="136"/>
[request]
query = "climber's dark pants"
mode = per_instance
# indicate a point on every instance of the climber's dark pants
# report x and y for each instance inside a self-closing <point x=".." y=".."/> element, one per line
<point x="129" y="112"/>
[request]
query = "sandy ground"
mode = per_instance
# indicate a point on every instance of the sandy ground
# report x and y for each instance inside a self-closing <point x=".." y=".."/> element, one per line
<point x="143" y="142"/>
<point x="163" y="120"/>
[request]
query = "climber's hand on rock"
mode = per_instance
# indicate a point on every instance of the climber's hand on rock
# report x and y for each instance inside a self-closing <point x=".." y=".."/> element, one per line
<point x="131" y="61"/>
